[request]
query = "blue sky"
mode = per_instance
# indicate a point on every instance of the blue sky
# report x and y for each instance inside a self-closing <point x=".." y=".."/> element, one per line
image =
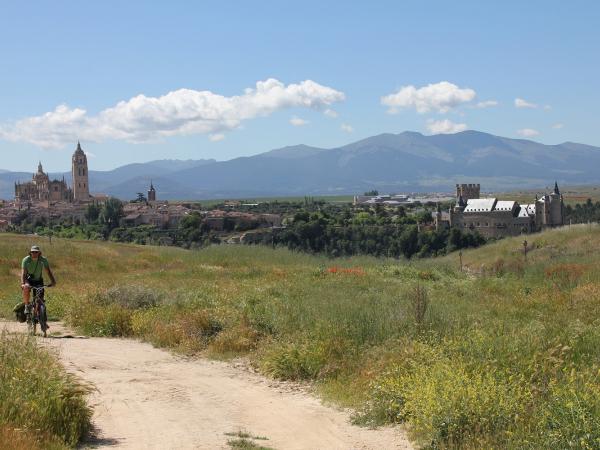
<point x="193" y="61"/>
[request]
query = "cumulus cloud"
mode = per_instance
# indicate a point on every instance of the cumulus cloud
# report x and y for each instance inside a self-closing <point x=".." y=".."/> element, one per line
<point x="216" y="137"/>
<point x="297" y="121"/>
<point x="558" y="126"/>
<point x="486" y="104"/>
<point x="521" y="103"/>
<point x="330" y="113"/>
<point x="347" y="128"/>
<point x="440" y="97"/>
<point x="528" y="132"/>
<point x="445" y="126"/>
<point x="180" y="112"/>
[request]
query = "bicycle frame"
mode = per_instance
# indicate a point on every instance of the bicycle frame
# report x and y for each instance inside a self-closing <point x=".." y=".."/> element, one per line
<point x="37" y="313"/>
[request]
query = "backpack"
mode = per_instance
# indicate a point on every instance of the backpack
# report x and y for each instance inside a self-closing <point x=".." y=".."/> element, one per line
<point x="19" y="311"/>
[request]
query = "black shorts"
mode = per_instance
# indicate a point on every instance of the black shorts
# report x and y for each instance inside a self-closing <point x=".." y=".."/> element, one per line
<point x="37" y="283"/>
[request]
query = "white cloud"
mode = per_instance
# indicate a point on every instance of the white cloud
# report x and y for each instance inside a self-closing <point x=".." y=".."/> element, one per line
<point x="521" y="103"/>
<point x="528" y="132"/>
<point x="486" y="104"/>
<point x="347" y="128"/>
<point x="440" y="97"/>
<point x="558" y="126"/>
<point x="297" y="121"/>
<point x="445" y="126"/>
<point x="330" y="113"/>
<point x="180" y="112"/>
<point x="90" y="154"/>
<point x="216" y="137"/>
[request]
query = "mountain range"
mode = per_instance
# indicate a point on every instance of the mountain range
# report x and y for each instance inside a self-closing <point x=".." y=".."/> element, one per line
<point x="390" y="163"/>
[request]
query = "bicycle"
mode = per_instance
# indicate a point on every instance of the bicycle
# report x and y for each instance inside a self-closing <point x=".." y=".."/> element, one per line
<point x="36" y="313"/>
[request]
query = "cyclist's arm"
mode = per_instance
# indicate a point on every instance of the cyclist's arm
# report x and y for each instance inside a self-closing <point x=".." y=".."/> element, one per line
<point x="23" y="276"/>
<point x="51" y="275"/>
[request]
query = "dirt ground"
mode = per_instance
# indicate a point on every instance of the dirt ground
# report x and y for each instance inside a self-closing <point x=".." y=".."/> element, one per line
<point x="147" y="398"/>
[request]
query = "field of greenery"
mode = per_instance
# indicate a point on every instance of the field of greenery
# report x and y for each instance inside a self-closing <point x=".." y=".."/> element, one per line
<point x="504" y="354"/>
<point x="41" y="405"/>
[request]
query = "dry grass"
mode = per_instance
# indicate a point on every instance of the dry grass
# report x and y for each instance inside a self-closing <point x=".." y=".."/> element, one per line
<point x="504" y="355"/>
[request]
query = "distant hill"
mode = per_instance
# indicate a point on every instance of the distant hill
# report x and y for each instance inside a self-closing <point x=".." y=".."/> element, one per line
<point x="407" y="161"/>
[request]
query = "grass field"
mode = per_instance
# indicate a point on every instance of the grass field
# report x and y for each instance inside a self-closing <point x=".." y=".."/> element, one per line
<point x="41" y="406"/>
<point x="505" y="354"/>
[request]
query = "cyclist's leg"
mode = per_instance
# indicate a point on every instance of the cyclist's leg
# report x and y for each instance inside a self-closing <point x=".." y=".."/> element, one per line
<point x="26" y="296"/>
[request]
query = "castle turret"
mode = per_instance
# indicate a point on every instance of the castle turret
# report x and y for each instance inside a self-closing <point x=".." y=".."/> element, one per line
<point x="556" y="208"/>
<point x="81" y="187"/>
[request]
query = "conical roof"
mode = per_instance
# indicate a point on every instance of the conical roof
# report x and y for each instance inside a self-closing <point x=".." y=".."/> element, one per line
<point x="78" y="149"/>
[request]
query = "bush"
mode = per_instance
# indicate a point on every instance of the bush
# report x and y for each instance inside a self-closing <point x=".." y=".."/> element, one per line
<point x="110" y="312"/>
<point x="186" y="329"/>
<point x="128" y="296"/>
<point x="448" y="405"/>
<point x="38" y="395"/>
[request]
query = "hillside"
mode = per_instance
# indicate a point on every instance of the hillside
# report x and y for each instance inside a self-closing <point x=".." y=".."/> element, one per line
<point x="405" y="162"/>
<point x="502" y="355"/>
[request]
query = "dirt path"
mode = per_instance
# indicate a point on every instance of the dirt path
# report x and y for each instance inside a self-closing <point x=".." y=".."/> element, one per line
<point x="147" y="398"/>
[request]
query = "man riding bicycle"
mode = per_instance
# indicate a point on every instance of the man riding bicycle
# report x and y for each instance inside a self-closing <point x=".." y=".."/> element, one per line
<point x="32" y="267"/>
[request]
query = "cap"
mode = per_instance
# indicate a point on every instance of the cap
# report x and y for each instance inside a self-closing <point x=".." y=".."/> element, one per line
<point x="34" y="248"/>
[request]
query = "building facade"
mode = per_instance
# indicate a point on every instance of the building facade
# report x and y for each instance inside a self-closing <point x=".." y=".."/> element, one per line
<point x="494" y="218"/>
<point x="42" y="189"/>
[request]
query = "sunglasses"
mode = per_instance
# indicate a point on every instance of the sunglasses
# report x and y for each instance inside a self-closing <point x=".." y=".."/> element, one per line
<point x="34" y="252"/>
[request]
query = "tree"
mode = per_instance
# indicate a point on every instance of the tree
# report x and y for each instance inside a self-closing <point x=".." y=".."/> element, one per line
<point x="92" y="212"/>
<point x="372" y="193"/>
<point x="111" y="213"/>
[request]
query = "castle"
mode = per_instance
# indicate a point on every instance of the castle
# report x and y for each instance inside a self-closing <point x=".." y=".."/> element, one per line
<point x="42" y="189"/>
<point x="494" y="218"/>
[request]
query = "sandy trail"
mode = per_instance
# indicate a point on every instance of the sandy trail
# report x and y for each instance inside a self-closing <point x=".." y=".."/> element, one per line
<point x="147" y="398"/>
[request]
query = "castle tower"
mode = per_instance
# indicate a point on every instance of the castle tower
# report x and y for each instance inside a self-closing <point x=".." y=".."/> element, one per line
<point x="556" y="206"/>
<point x="467" y="191"/>
<point x="81" y="187"/>
<point x="151" y="193"/>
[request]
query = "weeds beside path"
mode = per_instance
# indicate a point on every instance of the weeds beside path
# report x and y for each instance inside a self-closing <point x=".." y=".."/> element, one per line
<point x="149" y="398"/>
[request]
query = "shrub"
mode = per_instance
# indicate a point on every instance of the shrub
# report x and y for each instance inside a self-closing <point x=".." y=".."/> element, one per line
<point x="420" y="302"/>
<point x="38" y="395"/>
<point x="96" y="319"/>
<point x="128" y="296"/>
<point x="295" y="361"/>
<point x="187" y="329"/>
<point x="450" y="406"/>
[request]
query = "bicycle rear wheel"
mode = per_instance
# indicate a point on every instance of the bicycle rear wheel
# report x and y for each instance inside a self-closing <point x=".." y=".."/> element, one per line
<point x="42" y="318"/>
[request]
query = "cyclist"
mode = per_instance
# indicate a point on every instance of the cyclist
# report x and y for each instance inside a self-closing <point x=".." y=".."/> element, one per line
<point x="32" y="269"/>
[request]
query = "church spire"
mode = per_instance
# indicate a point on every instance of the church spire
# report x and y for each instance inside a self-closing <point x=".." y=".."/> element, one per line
<point x="556" y="191"/>
<point x="40" y="170"/>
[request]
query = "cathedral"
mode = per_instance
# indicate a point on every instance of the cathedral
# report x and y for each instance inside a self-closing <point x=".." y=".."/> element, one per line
<point x="42" y="189"/>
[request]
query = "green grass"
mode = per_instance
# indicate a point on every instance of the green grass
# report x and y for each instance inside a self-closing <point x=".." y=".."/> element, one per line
<point x="505" y="354"/>
<point x="41" y="406"/>
<point x="246" y="444"/>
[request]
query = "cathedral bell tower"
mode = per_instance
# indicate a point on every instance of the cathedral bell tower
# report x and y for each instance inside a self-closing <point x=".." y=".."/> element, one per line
<point x="81" y="187"/>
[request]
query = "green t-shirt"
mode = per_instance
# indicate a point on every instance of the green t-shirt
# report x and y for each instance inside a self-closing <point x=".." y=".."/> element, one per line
<point x="35" y="268"/>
